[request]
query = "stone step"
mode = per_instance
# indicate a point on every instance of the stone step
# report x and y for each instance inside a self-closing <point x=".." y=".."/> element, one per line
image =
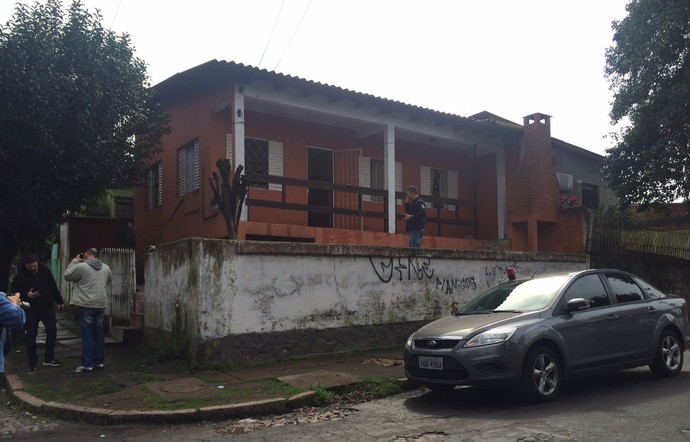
<point x="127" y="335"/>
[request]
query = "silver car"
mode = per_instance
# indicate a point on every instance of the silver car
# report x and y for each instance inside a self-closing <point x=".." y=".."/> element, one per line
<point x="535" y="333"/>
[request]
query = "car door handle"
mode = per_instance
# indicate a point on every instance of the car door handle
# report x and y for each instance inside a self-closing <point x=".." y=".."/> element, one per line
<point x="611" y="317"/>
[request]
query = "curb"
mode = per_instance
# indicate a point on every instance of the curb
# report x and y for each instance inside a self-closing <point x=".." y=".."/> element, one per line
<point x="106" y="416"/>
<point x="211" y="413"/>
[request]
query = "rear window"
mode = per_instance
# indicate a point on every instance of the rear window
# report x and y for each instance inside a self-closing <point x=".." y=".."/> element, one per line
<point x="651" y="291"/>
<point x="624" y="288"/>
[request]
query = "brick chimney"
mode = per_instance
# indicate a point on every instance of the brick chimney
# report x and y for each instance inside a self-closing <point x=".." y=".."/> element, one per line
<point x="533" y="192"/>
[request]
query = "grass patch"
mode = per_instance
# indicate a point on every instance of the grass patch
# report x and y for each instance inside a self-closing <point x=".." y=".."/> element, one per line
<point x="280" y="388"/>
<point x="379" y="386"/>
<point x="322" y="397"/>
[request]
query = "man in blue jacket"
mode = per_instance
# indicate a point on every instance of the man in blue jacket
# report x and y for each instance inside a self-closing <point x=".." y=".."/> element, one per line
<point x="36" y="284"/>
<point x="11" y="316"/>
<point x="415" y="215"/>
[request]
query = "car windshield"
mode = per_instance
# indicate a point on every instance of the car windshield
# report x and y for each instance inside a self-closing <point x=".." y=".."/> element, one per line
<point x="518" y="296"/>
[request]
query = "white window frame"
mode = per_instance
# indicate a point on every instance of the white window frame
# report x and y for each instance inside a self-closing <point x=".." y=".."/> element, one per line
<point x="426" y="185"/>
<point x="276" y="158"/>
<point x="365" y="177"/>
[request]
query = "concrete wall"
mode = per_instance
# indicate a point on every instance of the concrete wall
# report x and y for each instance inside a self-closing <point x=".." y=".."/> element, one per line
<point x="204" y="297"/>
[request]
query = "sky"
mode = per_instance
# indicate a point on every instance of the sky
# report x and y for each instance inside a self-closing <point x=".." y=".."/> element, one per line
<point x="509" y="57"/>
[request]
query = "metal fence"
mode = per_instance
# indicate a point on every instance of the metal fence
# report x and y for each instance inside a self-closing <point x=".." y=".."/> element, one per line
<point x="121" y="293"/>
<point x="616" y="238"/>
<point x="121" y="290"/>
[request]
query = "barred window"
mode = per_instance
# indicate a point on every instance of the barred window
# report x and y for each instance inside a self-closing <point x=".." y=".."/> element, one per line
<point x="256" y="159"/>
<point x="377" y="178"/>
<point x="154" y="186"/>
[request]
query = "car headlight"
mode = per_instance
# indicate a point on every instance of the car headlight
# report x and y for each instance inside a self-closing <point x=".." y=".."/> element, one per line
<point x="408" y="344"/>
<point x="493" y="336"/>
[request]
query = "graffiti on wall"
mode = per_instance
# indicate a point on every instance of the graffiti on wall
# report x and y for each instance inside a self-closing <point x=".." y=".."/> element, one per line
<point x="402" y="268"/>
<point x="450" y="285"/>
<point x="497" y="273"/>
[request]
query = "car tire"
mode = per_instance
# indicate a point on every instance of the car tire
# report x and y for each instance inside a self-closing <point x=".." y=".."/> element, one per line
<point x="542" y="376"/>
<point x="668" y="360"/>
<point x="440" y="388"/>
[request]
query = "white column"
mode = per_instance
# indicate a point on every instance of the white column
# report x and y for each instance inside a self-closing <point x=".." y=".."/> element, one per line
<point x="501" y="191"/>
<point x="389" y="172"/>
<point x="238" y="135"/>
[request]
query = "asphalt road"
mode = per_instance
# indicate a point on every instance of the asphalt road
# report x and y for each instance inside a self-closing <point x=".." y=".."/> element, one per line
<point x="633" y="405"/>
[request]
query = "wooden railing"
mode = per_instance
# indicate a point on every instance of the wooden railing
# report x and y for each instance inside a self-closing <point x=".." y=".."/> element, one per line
<point x="434" y="215"/>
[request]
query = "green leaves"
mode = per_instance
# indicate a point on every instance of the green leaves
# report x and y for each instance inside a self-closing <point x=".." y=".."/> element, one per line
<point x="648" y="68"/>
<point x="76" y="115"/>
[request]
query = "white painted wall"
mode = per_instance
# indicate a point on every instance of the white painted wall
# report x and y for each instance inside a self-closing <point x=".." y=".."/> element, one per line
<point x="209" y="289"/>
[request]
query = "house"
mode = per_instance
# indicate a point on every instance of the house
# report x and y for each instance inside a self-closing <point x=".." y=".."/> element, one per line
<point x="328" y="165"/>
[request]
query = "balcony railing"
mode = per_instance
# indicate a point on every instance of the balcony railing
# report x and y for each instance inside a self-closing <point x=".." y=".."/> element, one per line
<point x="434" y="215"/>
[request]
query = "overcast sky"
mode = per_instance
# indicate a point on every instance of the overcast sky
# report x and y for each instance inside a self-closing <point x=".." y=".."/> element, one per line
<point x="509" y="57"/>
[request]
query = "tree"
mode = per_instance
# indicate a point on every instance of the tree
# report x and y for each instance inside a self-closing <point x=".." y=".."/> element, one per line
<point x="229" y="194"/>
<point x="648" y="68"/>
<point x="77" y="117"/>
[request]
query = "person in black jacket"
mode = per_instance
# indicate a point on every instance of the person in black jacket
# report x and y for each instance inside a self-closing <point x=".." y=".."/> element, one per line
<point x="36" y="285"/>
<point x="415" y="215"/>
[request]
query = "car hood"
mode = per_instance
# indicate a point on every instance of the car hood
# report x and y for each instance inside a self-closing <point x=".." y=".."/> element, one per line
<point x="463" y="326"/>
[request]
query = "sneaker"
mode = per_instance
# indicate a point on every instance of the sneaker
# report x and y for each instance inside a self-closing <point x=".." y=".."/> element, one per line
<point x="52" y="363"/>
<point x="81" y="369"/>
<point x="99" y="366"/>
<point x="32" y="368"/>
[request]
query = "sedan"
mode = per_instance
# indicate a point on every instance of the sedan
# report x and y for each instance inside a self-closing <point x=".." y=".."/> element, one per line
<point x="534" y="333"/>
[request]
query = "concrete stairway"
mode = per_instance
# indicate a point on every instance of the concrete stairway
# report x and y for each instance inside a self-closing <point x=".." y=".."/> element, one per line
<point x="133" y="333"/>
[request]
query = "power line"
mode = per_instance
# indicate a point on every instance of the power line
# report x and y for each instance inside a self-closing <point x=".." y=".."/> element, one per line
<point x="293" y="35"/>
<point x="119" y="3"/>
<point x="271" y="36"/>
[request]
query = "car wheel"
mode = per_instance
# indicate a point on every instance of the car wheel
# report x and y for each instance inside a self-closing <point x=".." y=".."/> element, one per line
<point x="440" y="388"/>
<point x="541" y="375"/>
<point x="668" y="360"/>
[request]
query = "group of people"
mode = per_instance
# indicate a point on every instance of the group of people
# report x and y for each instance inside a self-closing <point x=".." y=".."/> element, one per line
<point x="34" y="284"/>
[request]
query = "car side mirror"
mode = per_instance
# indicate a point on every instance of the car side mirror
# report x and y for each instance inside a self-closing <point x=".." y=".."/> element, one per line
<point x="577" y="304"/>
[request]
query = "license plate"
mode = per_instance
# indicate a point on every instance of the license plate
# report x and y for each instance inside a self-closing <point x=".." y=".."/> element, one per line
<point x="430" y="363"/>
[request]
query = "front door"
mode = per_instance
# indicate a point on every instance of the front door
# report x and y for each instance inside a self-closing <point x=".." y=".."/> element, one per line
<point x="320" y="169"/>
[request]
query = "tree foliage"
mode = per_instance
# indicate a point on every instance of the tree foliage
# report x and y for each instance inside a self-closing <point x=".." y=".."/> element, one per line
<point x="77" y="117"/>
<point x="648" y="68"/>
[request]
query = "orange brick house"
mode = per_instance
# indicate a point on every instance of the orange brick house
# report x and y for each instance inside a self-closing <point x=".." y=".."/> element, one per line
<point x="329" y="166"/>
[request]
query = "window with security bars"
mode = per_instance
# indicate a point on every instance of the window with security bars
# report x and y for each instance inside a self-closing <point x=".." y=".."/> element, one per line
<point x="256" y="159"/>
<point x="439" y="183"/>
<point x="188" y="168"/>
<point x="154" y="186"/>
<point x="377" y="180"/>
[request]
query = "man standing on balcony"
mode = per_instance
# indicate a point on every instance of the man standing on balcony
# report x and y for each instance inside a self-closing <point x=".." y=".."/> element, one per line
<point x="36" y="285"/>
<point x="415" y="216"/>
<point x="90" y="277"/>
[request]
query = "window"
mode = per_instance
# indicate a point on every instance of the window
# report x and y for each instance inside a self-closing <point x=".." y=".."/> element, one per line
<point x="154" y="186"/>
<point x="590" y="288"/>
<point x="372" y="175"/>
<point x="124" y="208"/>
<point x="651" y="291"/>
<point x="188" y="168"/>
<point x="439" y="183"/>
<point x="590" y="195"/>
<point x="263" y="157"/>
<point x="624" y="288"/>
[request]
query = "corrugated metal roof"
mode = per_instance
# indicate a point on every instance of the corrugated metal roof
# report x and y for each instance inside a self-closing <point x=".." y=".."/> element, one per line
<point x="214" y="73"/>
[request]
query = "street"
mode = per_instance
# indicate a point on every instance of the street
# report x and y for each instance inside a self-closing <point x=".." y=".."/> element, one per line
<point x="633" y="405"/>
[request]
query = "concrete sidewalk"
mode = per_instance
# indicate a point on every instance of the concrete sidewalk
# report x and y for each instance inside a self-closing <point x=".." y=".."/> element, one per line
<point x="140" y="384"/>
